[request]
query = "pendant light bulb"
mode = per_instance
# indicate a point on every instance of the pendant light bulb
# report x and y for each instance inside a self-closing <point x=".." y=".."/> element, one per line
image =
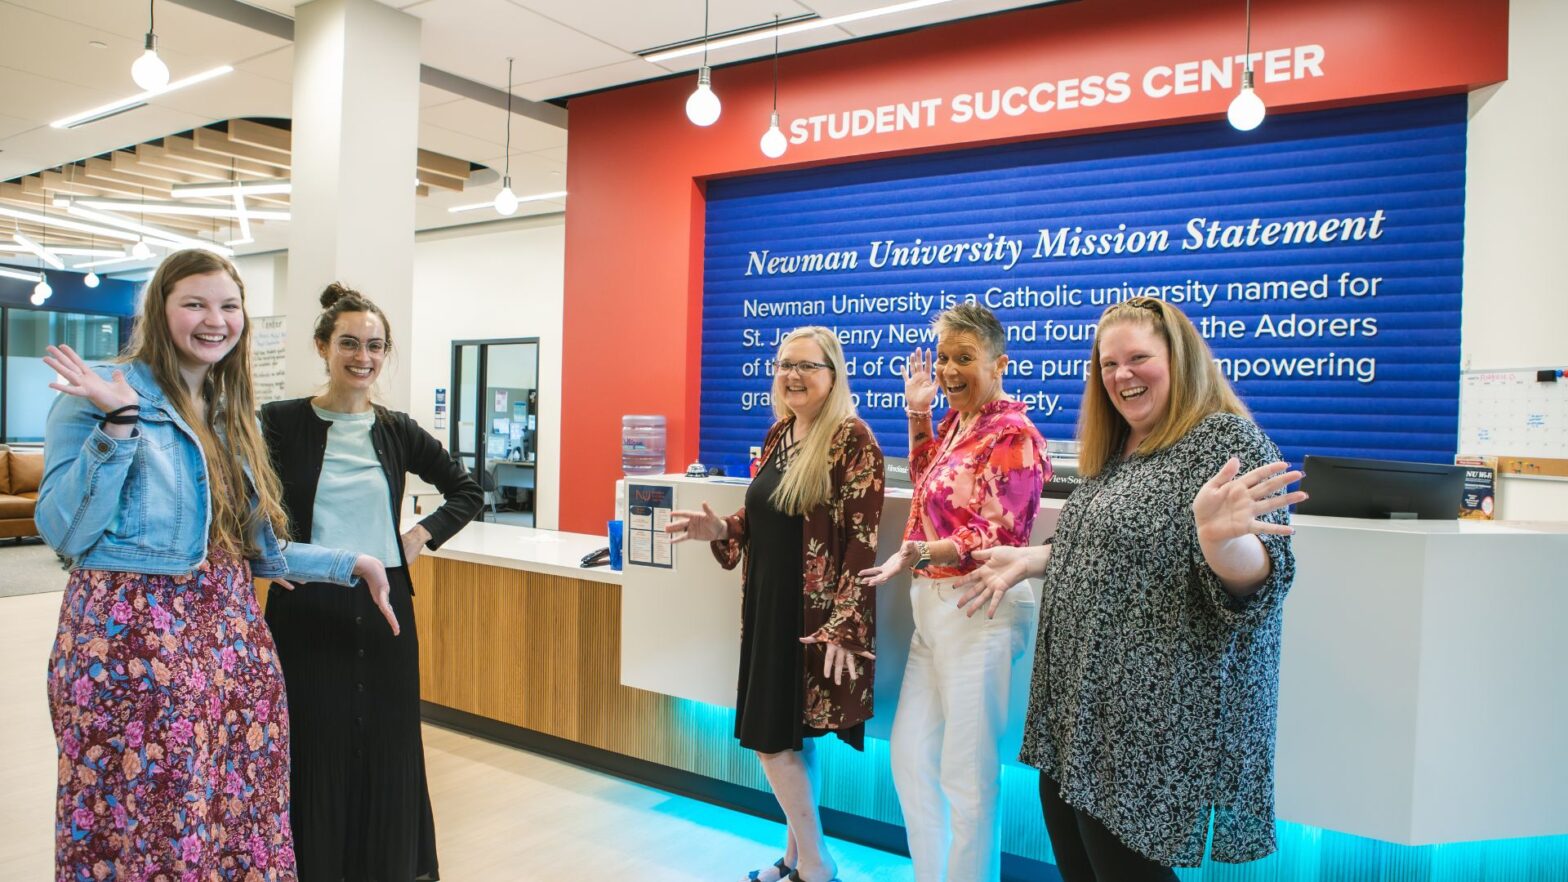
<point x="92" y="279"/>
<point x="1246" y="109"/>
<point x="773" y="142"/>
<point x="149" y="71"/>
<point x="506" y="200"/>
<point x="41" y="291"/>
<point x="141" y="250"/>
<point x="702" y="108"/>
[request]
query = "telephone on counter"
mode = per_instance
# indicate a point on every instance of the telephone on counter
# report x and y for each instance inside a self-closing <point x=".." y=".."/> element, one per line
<point x="596" y="558"/>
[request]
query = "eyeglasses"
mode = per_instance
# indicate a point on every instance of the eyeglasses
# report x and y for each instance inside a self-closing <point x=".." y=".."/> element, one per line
<point x="804" y="368"/>
<point x="352" y="346"/>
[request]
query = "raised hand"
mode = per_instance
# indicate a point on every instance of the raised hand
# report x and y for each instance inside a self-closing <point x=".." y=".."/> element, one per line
<point x="902" y="559"/>
<point x="1002" y="567"/>
<point x="702" y="525"/>
<point x="1228" y="507"/>
<point x="836" y="660"/>
<point x="375" y="576"/>
<point x="82" y="381"/>
<point x="919" y="380"/>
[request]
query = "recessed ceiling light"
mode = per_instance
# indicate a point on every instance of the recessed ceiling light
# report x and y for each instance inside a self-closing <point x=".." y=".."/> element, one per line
<point x="98" y="44"/>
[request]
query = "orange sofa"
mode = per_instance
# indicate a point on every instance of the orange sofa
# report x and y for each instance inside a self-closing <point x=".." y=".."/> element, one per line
<point x="21" y="471"/>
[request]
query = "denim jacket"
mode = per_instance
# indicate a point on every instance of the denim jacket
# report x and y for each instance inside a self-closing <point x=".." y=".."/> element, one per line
<point x="141" y="504"/>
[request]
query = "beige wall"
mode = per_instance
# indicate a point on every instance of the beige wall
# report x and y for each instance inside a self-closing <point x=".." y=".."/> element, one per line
<point x="1516" y="222"/>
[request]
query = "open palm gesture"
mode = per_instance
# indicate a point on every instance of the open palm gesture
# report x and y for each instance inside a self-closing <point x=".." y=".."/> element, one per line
<point x="919" y="381"/>
<point x="79" y="379"/>
<point x="1228" y="507"/>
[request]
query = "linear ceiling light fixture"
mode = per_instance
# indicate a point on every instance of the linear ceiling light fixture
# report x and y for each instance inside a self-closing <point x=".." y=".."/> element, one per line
<point x="62" y="223"/>
<point x="38" y="251"/>
<point x="109" y="262"/>
<point x="65" y="252"/>
<point x="703" y="107"/>
<point x="537" y="197"/>
<point x="149" y="72"/>
<point x="1246" y="109"/>
<point x="773" y="142"/>
<point x="18" y="275"/>
<point x="138" y="100"/>
<point x="176" y="208"/>
<point x="754" y="36"/>
<point x="229" y="188"/>
<point x="149" y="235"/>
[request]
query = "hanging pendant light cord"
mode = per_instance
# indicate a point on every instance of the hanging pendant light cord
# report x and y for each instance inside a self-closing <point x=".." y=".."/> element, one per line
<point x="151" y="25"/>
<point x="776" y="62"/>
<point x="508" y="172"/>
<point x="704" y="33"/>
<point x="1249" y="36"/>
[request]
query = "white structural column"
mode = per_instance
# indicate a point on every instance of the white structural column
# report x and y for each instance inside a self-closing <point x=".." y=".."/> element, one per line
<point x="356" y="126"/>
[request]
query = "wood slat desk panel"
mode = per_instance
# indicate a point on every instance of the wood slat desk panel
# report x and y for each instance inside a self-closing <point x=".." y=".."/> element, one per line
<point x="533" y="650"/>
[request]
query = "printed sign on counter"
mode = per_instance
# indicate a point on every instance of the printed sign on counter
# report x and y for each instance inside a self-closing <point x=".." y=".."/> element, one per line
<point x="648" y="509"/>
<point x="1479" y="502"/>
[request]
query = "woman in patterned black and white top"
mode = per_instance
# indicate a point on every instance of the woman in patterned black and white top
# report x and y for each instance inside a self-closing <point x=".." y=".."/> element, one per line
<point x="1157" y="667"/>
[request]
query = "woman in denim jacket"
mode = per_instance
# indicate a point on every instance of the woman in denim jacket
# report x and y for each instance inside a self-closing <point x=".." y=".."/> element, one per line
<point x="164" y="686"/>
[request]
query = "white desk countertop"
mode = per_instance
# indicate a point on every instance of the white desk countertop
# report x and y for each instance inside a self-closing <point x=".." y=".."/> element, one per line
<point x="526" y="548"/>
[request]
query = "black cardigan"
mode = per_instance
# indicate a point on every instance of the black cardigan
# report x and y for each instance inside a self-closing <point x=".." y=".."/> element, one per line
<point x="297" y="440"/>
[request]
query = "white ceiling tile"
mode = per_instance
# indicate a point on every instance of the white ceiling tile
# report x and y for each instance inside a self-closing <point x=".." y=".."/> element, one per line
<point x="455" y="144"/>
<point x="430" y="96"/>
<point x="473" y="39"/>
<point x="636" y="26"/>
<point x="10" y="125"/>
<point x="590" y="80"/>
<point x="68" y="145"/>
<point x="238" y="94"/>
<point x="485" y="122"/>
<point x="277" y="64"/>
<point x="915" y="18"/>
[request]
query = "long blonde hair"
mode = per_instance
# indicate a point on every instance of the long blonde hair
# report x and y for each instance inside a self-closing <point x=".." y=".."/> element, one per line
<point x="808" y="481"/>
<point x="1197" y="388"/>
<point x="229" y="435"/>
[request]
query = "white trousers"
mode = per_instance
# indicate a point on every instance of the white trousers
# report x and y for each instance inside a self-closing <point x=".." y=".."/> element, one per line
<point x="952" y="713"/>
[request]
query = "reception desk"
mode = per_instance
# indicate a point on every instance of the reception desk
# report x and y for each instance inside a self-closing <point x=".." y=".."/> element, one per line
<point x="1420" y="686"/>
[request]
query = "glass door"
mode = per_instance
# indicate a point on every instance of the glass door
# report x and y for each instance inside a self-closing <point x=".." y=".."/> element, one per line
<point x="495" y="423"/>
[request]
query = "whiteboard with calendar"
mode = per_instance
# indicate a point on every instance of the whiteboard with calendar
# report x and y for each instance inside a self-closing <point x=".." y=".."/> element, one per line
<point x="1510" y="413"/>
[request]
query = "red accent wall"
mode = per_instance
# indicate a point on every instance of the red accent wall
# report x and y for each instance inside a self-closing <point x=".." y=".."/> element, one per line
<point x="636" y="167"/>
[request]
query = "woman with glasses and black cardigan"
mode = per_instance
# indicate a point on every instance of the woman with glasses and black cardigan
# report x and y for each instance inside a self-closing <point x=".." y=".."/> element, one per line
<point x="361" y="809"/>
<point x="808" y="527"/>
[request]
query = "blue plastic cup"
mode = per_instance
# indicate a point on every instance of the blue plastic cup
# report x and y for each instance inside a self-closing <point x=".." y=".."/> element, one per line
<point x="617" y="528"/>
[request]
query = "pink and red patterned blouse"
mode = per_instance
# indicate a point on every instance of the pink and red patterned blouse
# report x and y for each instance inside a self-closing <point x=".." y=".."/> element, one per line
<point x="980" y="489"/>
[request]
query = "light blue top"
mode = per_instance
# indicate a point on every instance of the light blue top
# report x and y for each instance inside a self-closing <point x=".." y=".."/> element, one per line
<point x="353" y="505"/>
<point x="140" y="504"/>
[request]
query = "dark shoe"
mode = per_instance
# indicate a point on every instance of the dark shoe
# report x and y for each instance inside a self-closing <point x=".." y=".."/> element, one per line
<point x="784" y="871"/>
<point x="794" y="876"/>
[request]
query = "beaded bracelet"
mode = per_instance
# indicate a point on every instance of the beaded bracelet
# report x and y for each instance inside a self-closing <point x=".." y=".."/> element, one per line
<point x="917" y="413"/>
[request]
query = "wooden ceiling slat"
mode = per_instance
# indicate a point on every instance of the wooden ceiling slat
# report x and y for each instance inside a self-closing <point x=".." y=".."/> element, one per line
<point x="261" y="136"/>
<point x="442" y="181"/>
<point x="441" y="164"/>
<point x="100" y="170"/>
<point x="153" y="156"/>
<point x="185" y="148"/>
<point x="218" y="143"/>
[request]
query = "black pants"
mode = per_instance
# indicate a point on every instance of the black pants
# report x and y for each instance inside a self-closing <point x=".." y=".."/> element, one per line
<point x="1086" y="851"/>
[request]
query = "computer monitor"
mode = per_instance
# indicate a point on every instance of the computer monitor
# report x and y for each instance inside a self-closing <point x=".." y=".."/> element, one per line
<point x="1345" y="487"/>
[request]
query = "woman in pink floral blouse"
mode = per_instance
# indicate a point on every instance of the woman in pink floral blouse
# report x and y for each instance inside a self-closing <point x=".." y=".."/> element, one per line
<point x="808" y="527"/>
<point x="977" y="478"/>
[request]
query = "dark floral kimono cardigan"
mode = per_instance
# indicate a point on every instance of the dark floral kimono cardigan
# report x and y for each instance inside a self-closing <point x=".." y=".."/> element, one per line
<point x="840" y="540"/>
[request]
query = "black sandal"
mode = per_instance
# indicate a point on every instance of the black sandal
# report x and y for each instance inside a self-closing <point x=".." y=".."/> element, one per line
<point x="784" y="871"/>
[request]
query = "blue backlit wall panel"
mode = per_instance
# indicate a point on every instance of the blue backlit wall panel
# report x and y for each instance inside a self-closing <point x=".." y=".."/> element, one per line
<point x="1342" y="343"/>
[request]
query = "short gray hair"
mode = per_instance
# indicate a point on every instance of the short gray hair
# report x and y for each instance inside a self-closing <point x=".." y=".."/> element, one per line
<point x="974" y="319"/>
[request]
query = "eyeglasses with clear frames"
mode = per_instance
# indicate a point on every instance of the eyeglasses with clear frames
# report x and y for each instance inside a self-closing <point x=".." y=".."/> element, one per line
<point x="351" y="346"/>
<point x="804" y="368"/>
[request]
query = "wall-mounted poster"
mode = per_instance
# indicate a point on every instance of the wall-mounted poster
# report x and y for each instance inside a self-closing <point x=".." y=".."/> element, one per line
<point x="266" y="357"/>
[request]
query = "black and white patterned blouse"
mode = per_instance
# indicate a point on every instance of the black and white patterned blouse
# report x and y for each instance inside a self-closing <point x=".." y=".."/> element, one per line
<point x="1155" y="691"/>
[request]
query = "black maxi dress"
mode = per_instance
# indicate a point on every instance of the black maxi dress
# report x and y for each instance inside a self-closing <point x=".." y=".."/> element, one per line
<point x="360" y="808"/>
<point x="770" y="700"/>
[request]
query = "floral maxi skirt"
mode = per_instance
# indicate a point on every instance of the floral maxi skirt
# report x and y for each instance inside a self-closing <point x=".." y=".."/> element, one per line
<point x="172" y="730"/>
